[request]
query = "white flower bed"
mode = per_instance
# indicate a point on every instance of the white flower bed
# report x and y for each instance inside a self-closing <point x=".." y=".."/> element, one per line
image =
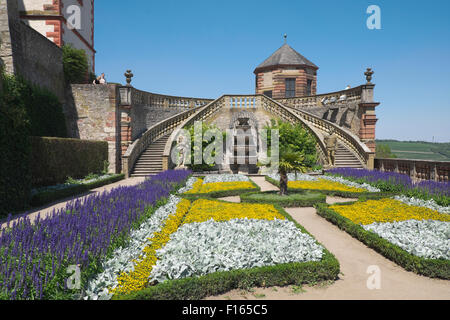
<point x="201" y="248"/>
<point x="189" y="185"/>
<point x="121" y="260"/>
<point x="306" y="177"/>
<point x="294" y="177"/>
<point x="427" y="238"/>
<point x="366" y="186"/>
<point x="431" y="204"/>
<point x="225" y="178"/>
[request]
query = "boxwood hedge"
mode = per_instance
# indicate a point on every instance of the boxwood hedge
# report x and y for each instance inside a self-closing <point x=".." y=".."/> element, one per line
<point x="299" y="199"/>
<point x="335" y="193"/>
<point x="49" y="196"/>
<point x="434" y="268"/>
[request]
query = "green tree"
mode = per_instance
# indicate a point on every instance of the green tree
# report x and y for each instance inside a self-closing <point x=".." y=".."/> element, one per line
<point x="383" y="151"/>
<point x="297" y="149"/>
<point x="75" y="64"/>
<point x="289" y="161"/>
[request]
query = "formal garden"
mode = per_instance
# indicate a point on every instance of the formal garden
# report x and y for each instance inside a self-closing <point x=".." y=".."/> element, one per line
<point x="184" y="235"/>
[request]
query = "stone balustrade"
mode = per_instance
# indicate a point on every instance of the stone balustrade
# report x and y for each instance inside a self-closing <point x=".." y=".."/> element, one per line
<point x="315" y="125"/>
<point x="349" y="96"/>
<point x="418" y="170"/>
<point x="350" y="140"/>
<point x="154" y="133"/>
<point x="135" y="97"/>
<point x="285" y="114"/>
<point x="203" y="113"/>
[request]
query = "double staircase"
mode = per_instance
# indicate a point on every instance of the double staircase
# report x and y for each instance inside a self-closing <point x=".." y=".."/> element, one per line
<point x="346" y="159"/>
<point x="150" y="161"/>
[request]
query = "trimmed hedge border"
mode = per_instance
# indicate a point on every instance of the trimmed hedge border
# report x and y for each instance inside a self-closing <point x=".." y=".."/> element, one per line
<point x="49" y="196"/>
<point x="286" y="201"/>
<point x="220" y="194"/>
<point x="343" y="194"/>
<point x="55" y="159"/>
<point x="433" y="268"/>
<point x="195" y="288"/>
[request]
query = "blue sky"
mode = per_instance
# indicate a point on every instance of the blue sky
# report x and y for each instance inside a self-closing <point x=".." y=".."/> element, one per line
<point x="210" y="48"/>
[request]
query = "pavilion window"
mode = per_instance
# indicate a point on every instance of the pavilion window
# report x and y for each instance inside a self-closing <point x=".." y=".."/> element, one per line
<point x="290" y="87"/>
<point x="308" y="87"/>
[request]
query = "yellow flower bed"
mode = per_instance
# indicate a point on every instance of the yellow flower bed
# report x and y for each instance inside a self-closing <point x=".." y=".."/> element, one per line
<point x="138" y="278"/>
<point x="322" y="184"/>
<point x="199" y="187"/>
<point x="386" y="210"/>
<point x="204" y="210"/>
<point x="196" y="187"/>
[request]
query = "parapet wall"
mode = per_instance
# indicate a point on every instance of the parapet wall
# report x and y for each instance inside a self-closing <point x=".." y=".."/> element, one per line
<point x="418" y="170"/>
<point x="341" y="107"/>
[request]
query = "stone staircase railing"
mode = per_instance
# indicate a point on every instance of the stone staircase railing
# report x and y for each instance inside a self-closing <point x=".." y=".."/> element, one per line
<point x="203" y="113"/>
<point x="347" y="138"/>
<point x="151" y="135"/>
<point x="315" y="125"/>
<point x="343" y="96"/>
<point x="287" y="114"/>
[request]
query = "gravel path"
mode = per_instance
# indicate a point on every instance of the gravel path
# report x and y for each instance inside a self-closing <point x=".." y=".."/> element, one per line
<point x="48" y="209"/>
<point x="355" y="258"/>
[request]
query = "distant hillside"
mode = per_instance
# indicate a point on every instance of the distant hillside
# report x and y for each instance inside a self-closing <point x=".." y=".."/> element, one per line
<point x="420" y="150"/>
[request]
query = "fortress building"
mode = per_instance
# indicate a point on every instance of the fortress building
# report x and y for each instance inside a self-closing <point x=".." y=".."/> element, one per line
<point x="286" y="74"/>
<point x="52" y="19"/>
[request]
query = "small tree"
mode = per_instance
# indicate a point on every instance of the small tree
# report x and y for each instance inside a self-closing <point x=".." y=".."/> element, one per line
<point x="383" y="151"/>
<point x="297" y="150"/>
<point x="290" y="161"/>
<point x="75" y="64"/>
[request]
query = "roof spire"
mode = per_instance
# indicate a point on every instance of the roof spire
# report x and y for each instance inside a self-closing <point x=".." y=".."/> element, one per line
<point x="285" y="38"/>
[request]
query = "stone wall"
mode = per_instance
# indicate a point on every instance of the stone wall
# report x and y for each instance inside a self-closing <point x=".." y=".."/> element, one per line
<point x="118" y="114"/>
<point x="341" y="107"/>
<point x="26" y="52"/>
<point x="92" y="113"/>
<point x="418" y="170"/>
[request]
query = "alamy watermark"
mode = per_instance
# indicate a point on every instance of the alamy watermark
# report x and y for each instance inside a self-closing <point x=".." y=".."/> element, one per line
<point x="73" y="17"/>
<point x="74" y="280"/>
<point x="374" y="280"/>
<point x="231" y="146"/>
<point x="374" y="20"/>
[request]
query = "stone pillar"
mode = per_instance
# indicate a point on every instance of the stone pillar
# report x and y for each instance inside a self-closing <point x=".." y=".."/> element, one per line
<point x="125" y="128"/>
<point x="368" y="117"/>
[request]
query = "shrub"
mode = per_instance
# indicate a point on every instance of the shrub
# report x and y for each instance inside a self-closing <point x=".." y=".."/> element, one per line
<point x="47" y="196"/>
<point x="303" y="199"/>
<point x="15" y="174"/>
<point x="75" y="64"/>
<point x="55" y="159"/>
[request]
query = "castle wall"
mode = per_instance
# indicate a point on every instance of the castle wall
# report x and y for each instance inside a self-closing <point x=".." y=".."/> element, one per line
<point x="50" y="18"/>
<point x="92" y="113"/>
<point x="26" y="52"/>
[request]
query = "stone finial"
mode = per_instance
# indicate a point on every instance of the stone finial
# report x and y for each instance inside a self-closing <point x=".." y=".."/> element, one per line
<point x="285" y="38"/>
<point x="129" y="75"/>
<point x="368" y="75"/>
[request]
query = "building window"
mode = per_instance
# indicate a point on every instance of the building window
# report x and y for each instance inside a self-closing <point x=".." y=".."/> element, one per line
<point x="290" y="87"/>
<point x="308" y="87"/>
<point x="268" y="94"/>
